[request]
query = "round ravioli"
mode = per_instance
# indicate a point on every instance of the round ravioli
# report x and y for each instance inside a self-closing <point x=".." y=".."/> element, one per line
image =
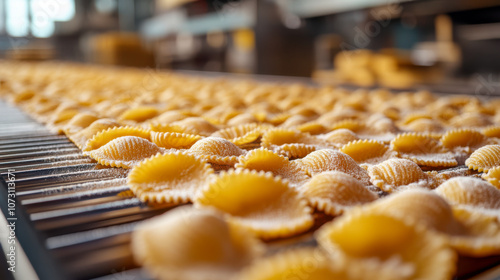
<point x="217" y="151"/>
<point x="485" y="158"/>
<point x="471" y="233"/>
<point x="174" y="140"/>
<point x="394" y="173"/>
<point x="331" y="160"/>
<point x="277" y="119"/>
<point x="340" y="137"/>
<point x="313" y="128"/>
<point x="433" y="211"/>
<point x="166" y="127"/>
<point x="81" y="137"/>
<point x="493" y="177"/>
<point x="367" y="151"/>
<point x="170" y="117"/>
<point x="373" y="245"/>
<point x="379" y="123"/>
<point x="425" y="125"/>
<point x="241" y="134"/>
<point x="22" y="96"/>
<point x="353" y="125"/>
<point x="139" y="114"/>
<point x="293" y="151"/>
<point x="294" y="121"/>
<point x="306" y="263"/>
<point x="200" y="125"/>
<point x="472" y="193"/>
<point x="415" y="116"/>
<point x="423" y="150"/>
<point x="259" y="202"/>
<point x="241" y="119"/>
<point x="79" y="121"/>
<point x="102" y="138"/>
<point x="463" y="140"/>
<point x="169" y="178"/>
<point x="269" y="161"/>
<point x="333" y="192"/>
<point x="492" y="131"/>
<point x="63" y="114"/>
<point x="192" y="244"/>
<point x="283" y="137"/>
<point x="125" y="151"/>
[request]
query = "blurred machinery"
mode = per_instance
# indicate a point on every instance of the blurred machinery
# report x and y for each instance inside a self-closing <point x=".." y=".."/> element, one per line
<point x="442" y="45"/>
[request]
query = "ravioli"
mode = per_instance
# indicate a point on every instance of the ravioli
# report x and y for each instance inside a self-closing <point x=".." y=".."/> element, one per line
<point x="367" y="151"/>
<point x="169" y="178"/>
<point x="269" y="161"/>
<point x="394" y="173"/>
<point x="493" y="177"/>
<point x="103" y="137"/>
<point x="217" y="151"/>
<point x="308" y="263"/>
<point x="331" y="160"/>
<point x="81" y="137"/>
<point x="125" y="152"/>
<point x="241" y="134"/>
<point x="340" y="137"/>
<point x="174" y="140"/>
<point x="191" y="244"/>
<point x="373" y="245"/>
<point x="463" y="140"/>
<point x="470" y="233"/>
<point x="471" y="193"/>
<point x="334" y="192"/>
<point x="259" y="202"/>
<point x="485" y="158"/>
<point x="423" y="150"/>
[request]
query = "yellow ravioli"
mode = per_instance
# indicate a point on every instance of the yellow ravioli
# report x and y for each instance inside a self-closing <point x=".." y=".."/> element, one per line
<point x="331" y="160"/>
<point x="423" y="150"/>
<point x="394" y="173"/>
<point x="367" y="151"/>
<point x="139" y="114"/>
<point x="493" y="176"/>
<point x="217" y="151"/>
<point x="259" y="202"/>
<point x="241" y="134"/>
<point x="374" y="245"/>
<point x="103" y="137"/>
<point x="169" y="178"/>
<point x="463" y="140"/>
<point x="125" y="151"/>
<point x="174" y="139"/>
<point x="340" y="137"/>
<point x="333" y="192"/>
<point x="472" y="193"/>
<point x="191" y="244"/>
<point x="485" y="158"/>
<point x="471" y="233"/>
<point x="81" y="137"/>
<point x="268" y="161"/>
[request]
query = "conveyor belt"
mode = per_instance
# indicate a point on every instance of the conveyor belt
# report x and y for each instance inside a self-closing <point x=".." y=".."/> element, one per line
<point x="74" y="216"/>
<point x="69" y="202"/>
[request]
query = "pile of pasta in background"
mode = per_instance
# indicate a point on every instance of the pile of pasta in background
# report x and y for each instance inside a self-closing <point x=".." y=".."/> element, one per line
<point x="381" y="185"/>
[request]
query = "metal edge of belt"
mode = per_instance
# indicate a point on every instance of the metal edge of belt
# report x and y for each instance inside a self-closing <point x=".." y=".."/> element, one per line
<point x="44" y="266"/>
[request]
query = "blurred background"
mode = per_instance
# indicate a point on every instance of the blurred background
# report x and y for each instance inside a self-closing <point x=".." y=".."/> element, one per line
<point x="441" y="45"/>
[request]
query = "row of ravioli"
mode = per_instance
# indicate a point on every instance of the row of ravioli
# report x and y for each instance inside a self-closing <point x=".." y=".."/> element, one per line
<point x="415" y="232"/>
<point x="260" y="162"/>
<point x="56" y="92"/>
